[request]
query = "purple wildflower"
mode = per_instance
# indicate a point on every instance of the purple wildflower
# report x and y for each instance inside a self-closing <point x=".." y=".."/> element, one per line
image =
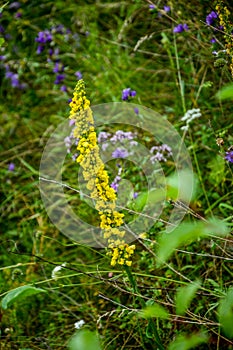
<point x="117" y="180"/>
<point x="44" y="37"/>
<point x="120" y="153"/>
<point x="50" y="51"/>
<point x="158" y="157"/>
<point x="15" y="80"/>
<point x="152" y="7"/>
<point x="56" y="51"/>
<point x="53" y="53"/>
<point x="121" y="136"/>
<point x="136" y="110"/>
<point x="58" y="68"/>
<point x="8" y="74"/>
<point x="114" y="186"/>
<point x="74" y="156"/>
<point x="18" y="15"/>
<point x="59" y="79"/>
<point x="103" y="136"/>
<point x="11" y="167"/>
<point x="78" y="75"/>
<point x="105" y="146"/>
<point x="162" y="152"/>
<point x="180" y="28"/>
<point x="167" y="8"/>
<point x="135" y="195"/>
<point x="213" y="41"/>
<point x="115" y="183"/>
<point x="229" y="156"/>
<point x="63" y="88"/>
<point x="40" y="49"/>
<point x="211" y="17"/>
<point x="133" y="93"/>
<point x="71" y="122"/>
<point x="127" y="93"/>
<point x="59" y="29"/>
<point x="13" y="77"/>
<point x="166" y="148"/>
<point x="125" y="138"/>
<point x="68" y="143"/>
<point x="14" y="5"/>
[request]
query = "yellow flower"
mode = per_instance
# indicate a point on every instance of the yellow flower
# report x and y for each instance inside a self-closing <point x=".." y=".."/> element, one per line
<point x="121" y="261"/>
<point x="225" y="22"/>
<point x="97" y="179"/>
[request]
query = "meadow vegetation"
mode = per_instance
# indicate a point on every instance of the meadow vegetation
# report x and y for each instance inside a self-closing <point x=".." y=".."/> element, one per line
<point x="165" y="290"/>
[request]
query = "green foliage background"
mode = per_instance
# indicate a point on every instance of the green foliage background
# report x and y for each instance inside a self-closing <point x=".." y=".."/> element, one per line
<point x="114" y="45"/>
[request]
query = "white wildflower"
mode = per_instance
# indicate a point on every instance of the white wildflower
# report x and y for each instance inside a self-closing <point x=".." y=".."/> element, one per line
<point x="79" y="324"/>
<point x="185" y="128"/>
<point x="189" y="116"/>
<point x="56" y="271"/>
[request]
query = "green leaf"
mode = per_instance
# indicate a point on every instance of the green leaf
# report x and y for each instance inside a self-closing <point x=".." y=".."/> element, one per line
<point x="185" y="343"/>
<point x="148" y="198"/>
<point x="184" y="233"/>
<point x="140" y="201"/>
<point x="184" y="297"/>
<point x="216" y="227"/>
<point x="154" y="310"/>
<point x="226" y="314"/>
<point x="225" y="93"/>
<point x="2" y="41"/>
<point x="217" y="170"/>
<point x="84" y="340"/>
<point x="28" y="166"/>
<point x="181" y="186"/>
<point x="19" y="293"/>
<point x="165" y="40"/>
<point x="187" y="233"/>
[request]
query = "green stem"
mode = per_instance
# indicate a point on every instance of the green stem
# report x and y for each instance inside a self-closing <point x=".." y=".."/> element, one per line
<point x="181" y="83"/>
<point x="132" y="280"/>
<point x="151" y="324"/>
<point x="200" y="175"/>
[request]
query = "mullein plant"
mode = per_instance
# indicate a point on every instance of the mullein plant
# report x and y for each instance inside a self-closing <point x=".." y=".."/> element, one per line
<point x="224" y="19"/>
<point x="97" y="179"/>
<point x="104" y="196"/>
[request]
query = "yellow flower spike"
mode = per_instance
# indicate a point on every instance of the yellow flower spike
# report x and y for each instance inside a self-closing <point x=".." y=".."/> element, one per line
<point x="121" y="261"/>
<point x="97" y="179"/>
<point x="225" y="22"/>
<point x="113" y="262"/>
